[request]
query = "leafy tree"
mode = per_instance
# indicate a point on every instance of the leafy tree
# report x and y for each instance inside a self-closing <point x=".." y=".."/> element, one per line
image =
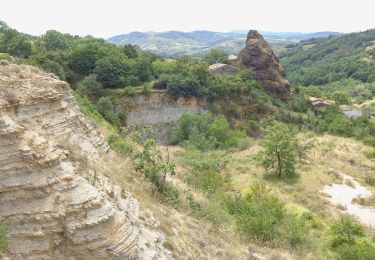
<point x="143" y="69"/>
<point x="279" y="149"/>
<point x="340" y="97"/>
<point x="130" y="51"/>
<point x="20" y="47"/>
<point x="84" y="56"/>
<point x="7" y="37"/>
<point x="105" y="108"/>
<point x="90" y="87"/>
<point x="3" y="26"/>
<point x="111" y="71"/>
<point x="184" y="85"/>
<point x="216" y="56"/>
<point x="54" y="40"/>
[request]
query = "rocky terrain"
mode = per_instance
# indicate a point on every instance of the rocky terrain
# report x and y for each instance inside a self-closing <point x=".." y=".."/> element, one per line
<point x="53" y="196"/>
<point x="260" y="58"/>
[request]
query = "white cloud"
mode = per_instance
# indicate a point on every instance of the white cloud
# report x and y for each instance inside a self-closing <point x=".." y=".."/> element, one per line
<point x="109" y="17"/>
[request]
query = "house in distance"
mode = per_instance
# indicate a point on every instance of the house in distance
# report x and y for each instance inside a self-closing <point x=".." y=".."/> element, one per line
<point x="221" y="69"/>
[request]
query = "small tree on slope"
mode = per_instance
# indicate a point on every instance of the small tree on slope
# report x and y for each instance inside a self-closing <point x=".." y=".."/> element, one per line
<point x="279" y="151"/>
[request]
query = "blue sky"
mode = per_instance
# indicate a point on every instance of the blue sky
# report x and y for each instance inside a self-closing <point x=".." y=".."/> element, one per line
<point x="106" y="18"/>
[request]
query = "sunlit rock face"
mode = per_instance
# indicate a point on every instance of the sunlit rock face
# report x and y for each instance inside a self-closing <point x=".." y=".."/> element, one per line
<point x="259" y="57"/>
<point x="56" y="205"/>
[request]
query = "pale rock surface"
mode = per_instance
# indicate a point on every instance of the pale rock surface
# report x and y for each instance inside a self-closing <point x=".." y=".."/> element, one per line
<point x="56" y="205"/>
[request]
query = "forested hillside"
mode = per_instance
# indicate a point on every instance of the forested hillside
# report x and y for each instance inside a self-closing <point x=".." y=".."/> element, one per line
<point x="322" y="61"/>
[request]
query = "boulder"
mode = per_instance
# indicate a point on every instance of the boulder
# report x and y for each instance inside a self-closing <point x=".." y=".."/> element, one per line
<point x="259" y="57"/>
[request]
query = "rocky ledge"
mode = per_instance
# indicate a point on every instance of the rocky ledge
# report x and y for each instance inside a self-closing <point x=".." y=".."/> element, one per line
<point x="55" y="204"/>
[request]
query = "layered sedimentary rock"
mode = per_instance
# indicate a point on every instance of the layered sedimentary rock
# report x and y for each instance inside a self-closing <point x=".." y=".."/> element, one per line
<point x="158" y="109"/>
<point x="56" y="205"/>
<point x="259" y="57"/>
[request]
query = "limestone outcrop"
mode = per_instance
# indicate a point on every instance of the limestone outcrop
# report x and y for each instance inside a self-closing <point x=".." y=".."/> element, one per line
<point x="259" y="57"/>
<point x="53" y="196"/>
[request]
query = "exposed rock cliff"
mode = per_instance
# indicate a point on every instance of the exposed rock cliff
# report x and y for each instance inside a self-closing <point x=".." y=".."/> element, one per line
<point x="260" y="58"/>
<point x="56" y="203"/>
<point x="158" y="109"/>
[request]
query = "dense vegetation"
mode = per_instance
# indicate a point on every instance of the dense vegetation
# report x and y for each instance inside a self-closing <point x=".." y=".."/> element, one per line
<point x="322" y="61"/>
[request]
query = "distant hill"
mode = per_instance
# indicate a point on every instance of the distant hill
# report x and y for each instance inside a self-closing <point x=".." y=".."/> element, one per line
<point x="322" y="61"/>
<point x="197" y="43"/>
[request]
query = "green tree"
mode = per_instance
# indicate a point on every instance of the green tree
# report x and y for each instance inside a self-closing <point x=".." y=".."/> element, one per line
<point x="106" y="109"/>
<point x="216" y="56"/>
<point x="112" y="71"/>
<point x="54" y="40"/>
<point x="20" y="46"/>
<point x="84" y="56"/>
<point x="340" y="97"/>
<point x="143" y="69"/>
<point x="90" y="87"/>
<point x="279" y="149"/>
<point x="130" y="51"/>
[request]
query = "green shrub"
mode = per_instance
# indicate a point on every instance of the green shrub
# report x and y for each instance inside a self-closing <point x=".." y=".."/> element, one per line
<point x="259" y="214"/>
<point x="106" y="109"/>
<point x="207" y="171"/>
<point x="148" y="160"/>
<point x="3" y="237"/>
<point x="361" y="250"/>
<point x="345" y="231"/>
<point x="90" y="87"/>
<point x="205" y="132"/>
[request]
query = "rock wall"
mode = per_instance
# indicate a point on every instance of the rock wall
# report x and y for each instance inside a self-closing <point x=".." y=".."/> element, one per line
<point x="260" y="58"/>
<point x="56" y="205"/>
<point x="157" y="109"/>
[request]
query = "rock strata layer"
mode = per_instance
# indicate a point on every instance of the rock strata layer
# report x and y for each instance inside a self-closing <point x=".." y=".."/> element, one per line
<point x="260" y="58"/>
<point x="56" y="205"/>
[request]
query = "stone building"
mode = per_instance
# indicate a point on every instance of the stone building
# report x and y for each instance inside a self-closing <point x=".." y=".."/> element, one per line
<point x="221" y="69"/>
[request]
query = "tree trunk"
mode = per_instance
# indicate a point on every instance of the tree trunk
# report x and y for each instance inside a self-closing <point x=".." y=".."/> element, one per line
<point x="279" y="164"/>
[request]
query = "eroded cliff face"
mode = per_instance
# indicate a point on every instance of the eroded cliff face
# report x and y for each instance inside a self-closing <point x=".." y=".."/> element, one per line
<point x="53" y="196"/>
<point x="159" y="110"/>
<point x="260" y="58"/>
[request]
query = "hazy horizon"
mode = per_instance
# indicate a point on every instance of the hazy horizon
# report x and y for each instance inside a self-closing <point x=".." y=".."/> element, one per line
<point x="116" y="17"/>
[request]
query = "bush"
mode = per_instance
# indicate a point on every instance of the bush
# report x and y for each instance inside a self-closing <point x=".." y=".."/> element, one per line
<point x="262" y="216"/>
<point x="207" y="170"/>
<point x="370" y="179"/>
<point x="149" y="161"/>
<point x="205" y="132"/>
<point x="359" y="251"/>
<point x="105" y="108"/>
<point x="259" y="214"/>
<point x="90" y="87"/>
<point x="345" y="231"/>
<point x="3" y="238"/>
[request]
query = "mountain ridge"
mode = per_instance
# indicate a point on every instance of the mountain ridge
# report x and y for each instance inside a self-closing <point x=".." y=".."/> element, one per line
<point x="199" y="42"/>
